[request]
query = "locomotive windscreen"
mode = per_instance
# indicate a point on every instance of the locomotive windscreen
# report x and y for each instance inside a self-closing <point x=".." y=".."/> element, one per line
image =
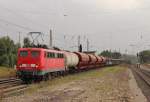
<point x="23" y="53"/>
<point x="35" y="53"/>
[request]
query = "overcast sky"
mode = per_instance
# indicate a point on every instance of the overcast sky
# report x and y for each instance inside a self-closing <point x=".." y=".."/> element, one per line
<point x="108" y="24"/>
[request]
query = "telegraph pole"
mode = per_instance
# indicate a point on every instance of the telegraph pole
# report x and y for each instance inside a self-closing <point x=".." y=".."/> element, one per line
<point x="87" y="44"/>
<point x="20" y="39"/>
<point x="79" y="38"/>
<point x="51" y="39"/>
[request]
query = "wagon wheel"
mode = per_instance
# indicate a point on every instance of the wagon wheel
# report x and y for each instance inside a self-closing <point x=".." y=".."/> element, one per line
<point x="45" y="77"/>
<point x="49" y="76"/>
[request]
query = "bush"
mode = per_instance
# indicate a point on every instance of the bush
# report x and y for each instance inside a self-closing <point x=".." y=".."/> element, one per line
<point x="8" y="52"/>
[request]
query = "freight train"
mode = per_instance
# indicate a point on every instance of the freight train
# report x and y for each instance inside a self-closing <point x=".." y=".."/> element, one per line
<point x="42" y="64"/>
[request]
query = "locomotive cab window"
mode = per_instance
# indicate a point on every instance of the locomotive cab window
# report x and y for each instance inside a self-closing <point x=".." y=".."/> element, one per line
<point x="59" y="55"/>
<point x="23" y="53"/>
<point x="35" y="53"/>
<point x="53" y="55"/>
<point x="62" y="56"/>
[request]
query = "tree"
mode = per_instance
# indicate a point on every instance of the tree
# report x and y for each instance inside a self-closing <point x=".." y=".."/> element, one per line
<point x="144" y="56"/>
<point x="8" y="52"/>
<point x="106" y="53"/>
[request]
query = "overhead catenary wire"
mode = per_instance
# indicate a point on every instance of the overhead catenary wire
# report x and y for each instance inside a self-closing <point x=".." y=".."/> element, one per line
<point x="22" y="16"/>
<point x="14" y="24"/>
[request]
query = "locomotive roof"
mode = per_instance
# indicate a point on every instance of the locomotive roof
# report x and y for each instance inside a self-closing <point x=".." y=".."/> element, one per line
<point x="40" y="49"/>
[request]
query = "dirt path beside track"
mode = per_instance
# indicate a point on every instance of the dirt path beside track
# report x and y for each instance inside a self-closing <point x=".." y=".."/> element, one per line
<point x="103" y="85"/>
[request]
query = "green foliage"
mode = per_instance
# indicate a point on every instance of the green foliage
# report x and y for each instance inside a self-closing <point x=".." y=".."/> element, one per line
<point x="144" y="56"/>
<point x="8" y="52"/>
<point x="4" y="60"/>
<point x="115" y="55"/>
<point x="106" y="53"/>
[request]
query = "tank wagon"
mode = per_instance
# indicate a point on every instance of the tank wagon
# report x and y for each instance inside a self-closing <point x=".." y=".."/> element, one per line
<point x="104" y="60"/>
<point x="39" y="63"/>
<point x="99" y="61"/>
<point x="92" y="61"/>
<point x="71" y="60"/>
<point x="83" y="60"/>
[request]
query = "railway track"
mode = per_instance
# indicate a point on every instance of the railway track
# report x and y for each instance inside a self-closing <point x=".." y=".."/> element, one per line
<point x="143" y="80"/>
<point x="11" y="86"/>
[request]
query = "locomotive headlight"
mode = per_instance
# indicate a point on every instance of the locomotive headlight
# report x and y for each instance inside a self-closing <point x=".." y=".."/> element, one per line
<point x="20" y="65"/>
<point x="33" y="65"/>
<point x="23" y="65"/>
<point x="36" y="66"/>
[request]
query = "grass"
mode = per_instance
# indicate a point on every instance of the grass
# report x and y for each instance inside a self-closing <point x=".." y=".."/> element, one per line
<point x="7" y="72"/>
<point x="78" y="76"/>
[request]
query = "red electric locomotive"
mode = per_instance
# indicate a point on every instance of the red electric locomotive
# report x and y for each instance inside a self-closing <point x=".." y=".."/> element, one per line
<point x="39" y="63"/>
